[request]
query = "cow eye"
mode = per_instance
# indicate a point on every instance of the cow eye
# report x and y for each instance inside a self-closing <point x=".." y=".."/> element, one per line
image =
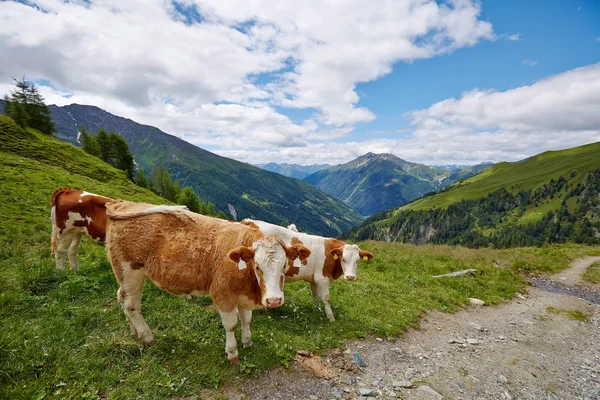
<point x="257" y="267"/>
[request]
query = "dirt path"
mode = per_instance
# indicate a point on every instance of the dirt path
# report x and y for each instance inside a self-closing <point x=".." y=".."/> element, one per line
<point x="572" y="275"/>
<point x="520" y="350"/>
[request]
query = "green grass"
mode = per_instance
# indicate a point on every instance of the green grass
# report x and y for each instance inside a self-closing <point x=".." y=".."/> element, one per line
<point x="592" y="273"/>
<point x="64" y="335"/>
<point x="522" y="175"/>
<point x="574" y="315"/>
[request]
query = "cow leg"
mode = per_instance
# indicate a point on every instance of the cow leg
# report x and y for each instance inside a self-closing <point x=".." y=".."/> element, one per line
<point x="62" y="246"/>
<point x="73" y="251"/>
<point x="229" y="320"/>
<point x="130" y="297"/>
<point x="315" y="292"/>
<point x="323" y="289"/>
<point x="245" y="318"/>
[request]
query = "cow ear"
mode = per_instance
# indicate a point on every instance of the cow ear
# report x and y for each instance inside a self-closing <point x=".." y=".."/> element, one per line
<point x="336" y="253"/>
<point x="365" y="255"/>
<point x="297" y="250"/>
<point x="302" y="253"/>
<point x="241" y="253"/>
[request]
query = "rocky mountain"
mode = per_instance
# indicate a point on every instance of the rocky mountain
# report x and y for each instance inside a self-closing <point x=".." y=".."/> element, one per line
<point x="293" y="170"/>
<point x="553" y="197"/>
<point x="251" y="191"/>
<point x="375" y="182"/>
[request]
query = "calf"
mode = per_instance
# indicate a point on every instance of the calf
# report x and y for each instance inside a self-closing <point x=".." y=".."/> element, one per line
<point x="330" y="259"/>
<point x="191" y="254"/>
<point x="73" y="214"/>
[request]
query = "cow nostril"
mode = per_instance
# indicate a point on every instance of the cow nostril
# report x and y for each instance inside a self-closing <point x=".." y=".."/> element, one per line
<point x="350" y="277"/>
<point x="274" y="301"/>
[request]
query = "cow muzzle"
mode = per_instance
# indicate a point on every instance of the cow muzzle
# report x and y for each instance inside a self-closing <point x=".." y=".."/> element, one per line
<point x="349" y="277"/>
<point x="273" y="302"/>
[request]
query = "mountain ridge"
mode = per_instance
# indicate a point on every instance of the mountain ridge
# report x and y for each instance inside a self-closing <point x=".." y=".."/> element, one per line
<point x="251" y="191"/>
<point x="374" y="182"/>
<point x="552" y="197"/>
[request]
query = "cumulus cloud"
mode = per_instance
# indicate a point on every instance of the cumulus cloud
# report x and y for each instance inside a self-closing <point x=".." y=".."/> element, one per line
<point x="218" y="72"/>
<point x="514" y="36"/>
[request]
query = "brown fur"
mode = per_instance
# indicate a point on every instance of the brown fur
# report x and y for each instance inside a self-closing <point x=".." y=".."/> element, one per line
<point x="187" y="253"/>
<point x="332" y="268"/>
<point x="66" y="200"/>
<point x="250" y="224"/>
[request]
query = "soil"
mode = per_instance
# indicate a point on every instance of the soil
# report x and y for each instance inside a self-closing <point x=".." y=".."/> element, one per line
<point x="528" y="348"/>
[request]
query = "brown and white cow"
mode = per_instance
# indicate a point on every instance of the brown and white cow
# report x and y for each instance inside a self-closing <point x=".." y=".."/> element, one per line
<point x="191" y="254"/>
<point x="330" y="259"/>
<point x="75" y="213"/>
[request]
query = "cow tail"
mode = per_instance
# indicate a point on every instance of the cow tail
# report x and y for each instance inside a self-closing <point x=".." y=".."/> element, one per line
<point x="54" y="237"/>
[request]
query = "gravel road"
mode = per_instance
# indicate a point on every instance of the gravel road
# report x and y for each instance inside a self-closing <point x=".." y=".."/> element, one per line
<point x="529" y="348"/>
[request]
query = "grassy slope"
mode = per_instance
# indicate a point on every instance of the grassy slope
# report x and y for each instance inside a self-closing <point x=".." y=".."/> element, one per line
<point x="64" y="336"/>
<point x="522" y="175"/>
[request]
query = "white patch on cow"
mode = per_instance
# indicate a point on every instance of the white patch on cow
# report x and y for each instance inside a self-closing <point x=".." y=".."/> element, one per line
<point x="88" y="219"/>
<point x="83" y="194"/>
<point x="270" y="257"/>
<point x="298" y="263"/>
<point x="80" y="201"/>
<point x="292" y="227"/>
<point x="350" y="258"/>
<point x="73" y="217"/>
<point x="242" y="265"/>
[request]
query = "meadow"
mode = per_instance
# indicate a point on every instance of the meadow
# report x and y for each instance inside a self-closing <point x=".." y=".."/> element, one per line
<point x="64" y="334"/>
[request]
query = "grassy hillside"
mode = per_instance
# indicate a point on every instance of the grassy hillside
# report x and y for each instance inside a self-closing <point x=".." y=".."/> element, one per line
<point x="550" y="198"/>
<point x="253" y="192"/>
<point x="64" y="335"/>
<point x="524" y="175"/>
<point x="375" y="182"/>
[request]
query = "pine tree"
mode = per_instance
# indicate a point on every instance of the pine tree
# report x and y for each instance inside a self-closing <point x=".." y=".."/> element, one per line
<point x="104" y="148"/>
<point x="88" y="142"/>
<point x="188" y="198"/>
<point x="26" y="106"/>
<point x="121" y="157"/>
<point x="140" y="180"/>
<point x="210" y="210"/>
<point x="221" y="215"/>
<point x="202" y="208"/>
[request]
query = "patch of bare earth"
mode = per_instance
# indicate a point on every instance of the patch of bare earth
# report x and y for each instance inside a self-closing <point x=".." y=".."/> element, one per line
<point x="519" y="350"/>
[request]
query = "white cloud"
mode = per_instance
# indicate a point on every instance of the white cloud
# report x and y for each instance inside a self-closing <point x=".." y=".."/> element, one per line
<point x="529" y="63"/>
<point x="141" y="60"/>
<point x="514" y="36"/>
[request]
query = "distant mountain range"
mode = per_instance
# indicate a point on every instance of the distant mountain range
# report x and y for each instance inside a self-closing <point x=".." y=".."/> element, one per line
<point x="552" y="197"/>
<point x="231" y="185"/>
<point x="375" y="182"/>
<point x="293" y="170"/>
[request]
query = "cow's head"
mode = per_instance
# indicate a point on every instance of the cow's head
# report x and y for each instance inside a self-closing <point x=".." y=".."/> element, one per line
<point x="349" y="256"/>
<point x="270" y="258"/>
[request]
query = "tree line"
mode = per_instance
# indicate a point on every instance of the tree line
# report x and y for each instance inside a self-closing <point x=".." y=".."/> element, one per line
<point x="493" y="220"/>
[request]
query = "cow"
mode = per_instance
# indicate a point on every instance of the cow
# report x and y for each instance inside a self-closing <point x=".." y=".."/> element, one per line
<point x="190" y="254"/>
<point x="329" y="260"/>
<point x="75" y="213"/>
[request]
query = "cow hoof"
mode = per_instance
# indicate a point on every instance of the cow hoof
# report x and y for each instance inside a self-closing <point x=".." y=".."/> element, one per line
<point x="247" y="344"/>
<point x="148" y="340"/>
<point x="235" y="361"/>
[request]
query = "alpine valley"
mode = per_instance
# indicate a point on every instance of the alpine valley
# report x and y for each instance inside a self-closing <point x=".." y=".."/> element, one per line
<point x="231" y="185"/>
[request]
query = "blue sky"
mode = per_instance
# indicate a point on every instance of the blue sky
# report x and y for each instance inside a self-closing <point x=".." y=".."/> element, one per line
<point x="554" y="34"/>
<point x="436" y="82"/>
